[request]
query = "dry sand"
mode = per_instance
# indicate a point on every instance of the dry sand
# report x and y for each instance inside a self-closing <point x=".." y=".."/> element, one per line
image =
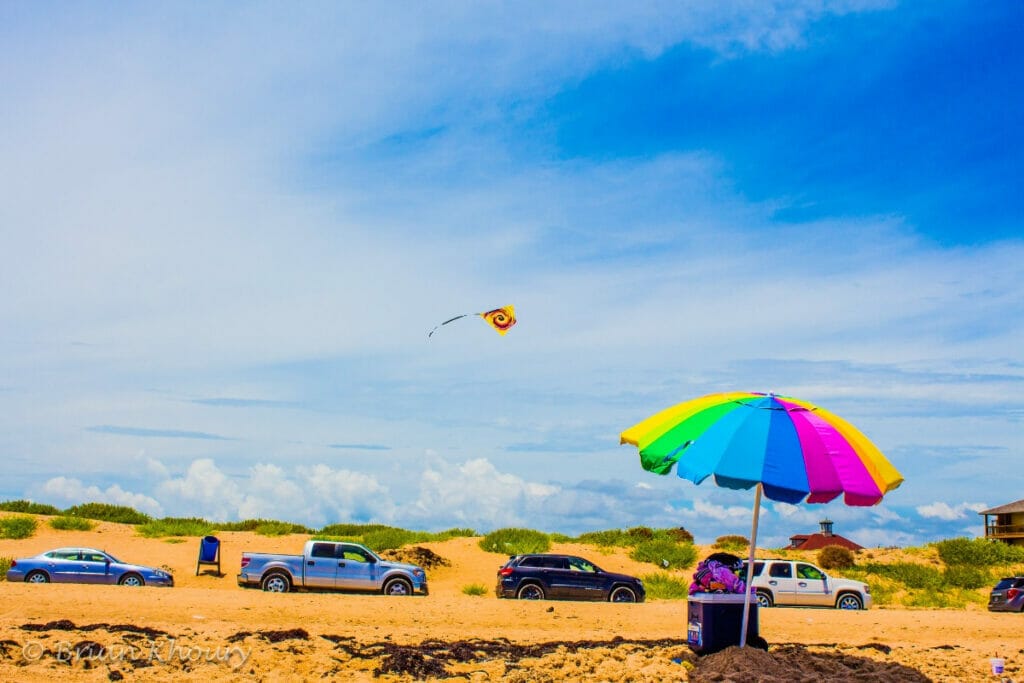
<point x="207" y="628"/>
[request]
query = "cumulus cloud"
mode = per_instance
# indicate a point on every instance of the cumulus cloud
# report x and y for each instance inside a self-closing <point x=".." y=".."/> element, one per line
<point x="476" y="494"/>
<point x="74" y="492"/>
<point x="947" y="512"/>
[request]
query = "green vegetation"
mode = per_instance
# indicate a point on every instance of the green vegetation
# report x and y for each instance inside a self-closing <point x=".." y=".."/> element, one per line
<point x="17" y="527"/>
<point x="264" y="527"/>
<point x="631" y="538"/>
<point x="662" y="586"/>
<point x="978" y="552"/>
<point x="835" y="557"/>
<point x="380" y="537"/>
<point x="5" y="564"/>
<point x="174" y="539"/>
<point x="176" y="526"/>
<point x="514" y="541"/>
<point x="28" y="507"/>
<point x="665" y="553"/>
<point x="731" y="543"/>
<point x="965" y="576"/>
<point x="69" y="523"/>
<point x="475" y="589"/>
<point x="910" y="574"/>
<point x="105" y="512"/>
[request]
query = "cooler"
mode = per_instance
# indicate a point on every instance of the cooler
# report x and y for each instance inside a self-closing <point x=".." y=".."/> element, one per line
<point x="714" y="621"/>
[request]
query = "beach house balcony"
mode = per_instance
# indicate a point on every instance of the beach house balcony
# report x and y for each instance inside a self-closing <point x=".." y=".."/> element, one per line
<point x="1005" y="523"/>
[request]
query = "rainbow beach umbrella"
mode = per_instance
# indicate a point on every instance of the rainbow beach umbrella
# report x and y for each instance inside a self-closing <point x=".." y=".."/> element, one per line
<point x="790" y="450"/>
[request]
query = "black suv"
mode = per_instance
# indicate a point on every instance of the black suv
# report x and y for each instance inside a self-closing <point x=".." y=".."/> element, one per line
<point x="564" y="577"/>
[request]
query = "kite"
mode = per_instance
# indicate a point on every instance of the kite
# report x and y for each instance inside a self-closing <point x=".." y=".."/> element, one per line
<point x="501" y="319"/>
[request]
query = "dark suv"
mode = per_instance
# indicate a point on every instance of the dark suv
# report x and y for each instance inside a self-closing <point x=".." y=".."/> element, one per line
<point x="1008" y="595"/>
<point x="564" y="577"/>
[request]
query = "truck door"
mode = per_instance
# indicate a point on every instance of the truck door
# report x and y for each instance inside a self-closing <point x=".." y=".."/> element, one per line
<point x="780" y="578"/>
<point x="811" y="586"/>
<point x="357" y="570"/>
<point x="322" y="566"/>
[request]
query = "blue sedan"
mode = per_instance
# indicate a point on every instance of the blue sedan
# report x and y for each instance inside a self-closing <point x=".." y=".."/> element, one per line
<point x="85" y="565"/>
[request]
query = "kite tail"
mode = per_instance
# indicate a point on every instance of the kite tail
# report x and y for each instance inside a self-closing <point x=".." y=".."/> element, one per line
<point x="464" y="315"/>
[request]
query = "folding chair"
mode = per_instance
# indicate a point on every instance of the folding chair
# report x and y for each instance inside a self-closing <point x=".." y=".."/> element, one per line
<point x="209" y="553"/>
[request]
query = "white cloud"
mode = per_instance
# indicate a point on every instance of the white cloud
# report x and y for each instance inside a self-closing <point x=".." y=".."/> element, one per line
<point x="74" y="492"/>
<point x="477" y="495"/>
<point x="945" y="511"/>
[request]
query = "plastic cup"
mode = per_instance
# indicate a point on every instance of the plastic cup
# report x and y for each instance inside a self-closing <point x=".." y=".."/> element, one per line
<point x="998" y="663"/>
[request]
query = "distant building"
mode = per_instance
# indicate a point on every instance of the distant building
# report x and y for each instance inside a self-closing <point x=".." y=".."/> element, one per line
<point x="1006" y="523"/>
<point x="824" y="538"/>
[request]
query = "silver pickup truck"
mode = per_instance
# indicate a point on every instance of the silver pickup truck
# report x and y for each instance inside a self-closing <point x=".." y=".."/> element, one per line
<point x="330" y="565"/>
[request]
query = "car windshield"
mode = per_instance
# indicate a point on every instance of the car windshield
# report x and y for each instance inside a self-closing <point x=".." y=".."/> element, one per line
<point x="1008" y="583"/>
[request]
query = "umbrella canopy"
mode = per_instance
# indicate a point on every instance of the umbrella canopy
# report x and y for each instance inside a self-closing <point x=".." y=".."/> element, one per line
<point x="793" y="448"/>
<point x="789" y="449"/>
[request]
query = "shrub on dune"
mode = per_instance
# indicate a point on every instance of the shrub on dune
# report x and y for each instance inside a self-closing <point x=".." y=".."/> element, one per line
<point x="514" y="541"/>
<point x="665" y="553"/>
<point x="17" y="527"/>
<point x="661" y="586"/>
<point x="176" y="526"/>
<point x="105" y="512"/>
<point x="68" y="523"/>
<point x="28" y="507"/>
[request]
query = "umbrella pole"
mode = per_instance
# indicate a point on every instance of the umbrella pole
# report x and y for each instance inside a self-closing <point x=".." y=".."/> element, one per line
<point x="750" y="566"/>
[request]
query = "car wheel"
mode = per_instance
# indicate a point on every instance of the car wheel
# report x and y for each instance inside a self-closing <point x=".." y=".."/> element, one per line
<point x="132" y="580"/>
<point x="849" y="601"/>
<point x="37" y="577"/>
<point x="398" y="587"/>
<point x="276" y="583"/>
<point x="622" y="594"/>
<point x="764" y="599"/>
<point x="530" y="591"/>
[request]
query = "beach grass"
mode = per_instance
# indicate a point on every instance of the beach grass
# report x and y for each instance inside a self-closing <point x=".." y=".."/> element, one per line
<point x="978" y="552"/>
<point x="28" y="507"/>
<point x="106" y="512"/>
<point x="474" y="589"/>
<point x="665" y="553"/>
<point x="69" y="523"/>
<point x="732" y="543"/>
<point x="516" y="541"/>
<point x="17" y="527"/>
<point x="663" y="586"/>
<point x="176" y="526"/>
<point x="5" y="564"/>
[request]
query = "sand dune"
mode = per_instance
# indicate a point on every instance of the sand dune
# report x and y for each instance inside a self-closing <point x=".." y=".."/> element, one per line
<point x="206" y="628"/>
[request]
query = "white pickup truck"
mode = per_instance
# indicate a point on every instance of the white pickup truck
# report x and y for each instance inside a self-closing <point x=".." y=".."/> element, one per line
<point x="793" y="582"/>
<point x="331" y="565"/>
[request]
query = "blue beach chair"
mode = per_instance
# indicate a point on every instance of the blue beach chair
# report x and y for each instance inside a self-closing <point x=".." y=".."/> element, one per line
<point x="209" y="553"/>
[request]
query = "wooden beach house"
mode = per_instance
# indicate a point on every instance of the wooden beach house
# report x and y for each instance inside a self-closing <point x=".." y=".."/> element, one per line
<point x="1005" y="523"/>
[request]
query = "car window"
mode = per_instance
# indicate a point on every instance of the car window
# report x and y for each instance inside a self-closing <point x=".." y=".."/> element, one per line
<point x="781" y="570"/>
<point x="557" y="563"/>
<point x="578" y="564"/>
<point x="530" y="562"/>
<point x="806" y="571"/>
<point x="93" y="556"/>
<point x="63" y="554"/>
<point x="354" y="553"/>
<point x="323" y="550"/>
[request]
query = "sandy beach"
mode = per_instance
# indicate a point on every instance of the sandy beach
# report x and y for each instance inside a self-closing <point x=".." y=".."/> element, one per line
<point x="208" y="628"/>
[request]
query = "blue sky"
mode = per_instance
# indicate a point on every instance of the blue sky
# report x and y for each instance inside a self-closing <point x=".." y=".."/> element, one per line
<point x="226" y="232"/>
